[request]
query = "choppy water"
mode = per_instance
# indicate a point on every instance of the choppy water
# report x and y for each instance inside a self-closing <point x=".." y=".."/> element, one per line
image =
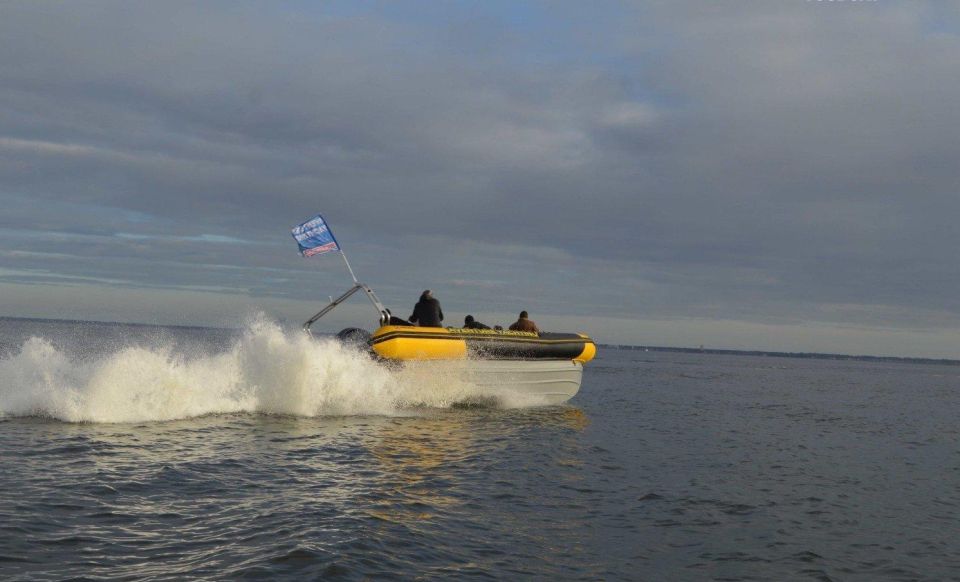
<point x="207" y="454"/>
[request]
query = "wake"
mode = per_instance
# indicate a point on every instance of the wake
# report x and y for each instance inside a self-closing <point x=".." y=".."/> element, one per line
<point x="265" y="371"/>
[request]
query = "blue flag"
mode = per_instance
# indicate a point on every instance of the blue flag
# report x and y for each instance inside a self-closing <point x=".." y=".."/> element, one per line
<point x="314" y="237"/>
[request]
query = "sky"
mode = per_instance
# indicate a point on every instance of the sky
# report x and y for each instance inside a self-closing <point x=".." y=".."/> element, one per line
<point x="775" y="175"/>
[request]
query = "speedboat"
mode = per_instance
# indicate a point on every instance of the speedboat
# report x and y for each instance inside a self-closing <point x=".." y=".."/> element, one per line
<point x="548" y="367"/>
<point x="511" y="366"/>
<point x="514" y="367"/>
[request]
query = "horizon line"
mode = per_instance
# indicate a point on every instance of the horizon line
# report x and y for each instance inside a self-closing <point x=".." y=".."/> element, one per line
<point x="618" y="346"/>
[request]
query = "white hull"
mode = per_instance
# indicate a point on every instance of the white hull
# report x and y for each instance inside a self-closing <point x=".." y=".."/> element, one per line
<point x="512" y="383"/>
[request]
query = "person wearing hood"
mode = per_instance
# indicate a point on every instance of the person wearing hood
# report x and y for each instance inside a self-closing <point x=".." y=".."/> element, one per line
<point x="524" y="323"/>
<point x="427" y="312"/>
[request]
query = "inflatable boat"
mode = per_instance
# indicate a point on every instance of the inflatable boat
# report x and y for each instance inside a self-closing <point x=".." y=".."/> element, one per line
<point x="512" y="366"/>
<point x="545" y="368"/>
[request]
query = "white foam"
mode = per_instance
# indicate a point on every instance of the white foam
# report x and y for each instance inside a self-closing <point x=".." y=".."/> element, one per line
<point x="266" y="371"/>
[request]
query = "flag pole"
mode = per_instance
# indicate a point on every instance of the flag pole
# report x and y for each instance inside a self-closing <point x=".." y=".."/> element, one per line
<point x="344" y="255"/>
<point x="340" y="248"/>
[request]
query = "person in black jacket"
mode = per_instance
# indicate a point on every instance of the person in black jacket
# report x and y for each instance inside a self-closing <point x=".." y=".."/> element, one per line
<point x="427" y="312"/>
<point x="470" y="323"/>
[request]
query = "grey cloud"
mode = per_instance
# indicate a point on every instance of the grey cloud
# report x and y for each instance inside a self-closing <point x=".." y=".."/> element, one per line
<point x="787" y="162"/>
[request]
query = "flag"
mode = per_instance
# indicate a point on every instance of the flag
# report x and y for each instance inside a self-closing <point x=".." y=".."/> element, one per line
<point x="314" y="237"/>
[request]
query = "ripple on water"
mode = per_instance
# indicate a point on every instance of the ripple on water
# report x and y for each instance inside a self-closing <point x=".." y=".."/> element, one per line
<point x="679" y="467"/>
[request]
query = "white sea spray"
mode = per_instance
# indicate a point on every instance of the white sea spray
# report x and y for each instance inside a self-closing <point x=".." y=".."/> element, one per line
<point x="266" y="370"/>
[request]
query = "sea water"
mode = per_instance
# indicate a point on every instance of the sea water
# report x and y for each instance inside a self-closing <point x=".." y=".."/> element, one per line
<point x="169" y="453"/>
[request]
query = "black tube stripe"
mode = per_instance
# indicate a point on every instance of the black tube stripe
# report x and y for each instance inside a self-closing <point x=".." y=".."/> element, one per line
<point x="482" y="338"/>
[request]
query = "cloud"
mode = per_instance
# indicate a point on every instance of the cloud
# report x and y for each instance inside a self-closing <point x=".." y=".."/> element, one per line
<point x="773" y="164"/>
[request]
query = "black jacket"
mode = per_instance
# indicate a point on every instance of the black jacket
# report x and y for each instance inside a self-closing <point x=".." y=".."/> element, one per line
<point x="475" y="325"/>
<point x="427" y="313"/>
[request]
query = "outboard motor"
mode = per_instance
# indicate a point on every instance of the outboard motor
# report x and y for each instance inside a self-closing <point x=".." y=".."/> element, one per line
<point x="354" y="337"/>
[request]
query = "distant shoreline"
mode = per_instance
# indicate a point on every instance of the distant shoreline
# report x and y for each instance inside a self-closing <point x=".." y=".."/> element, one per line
<point x="110" y="323"/>
<point x="801" y="355"/>
<point x="626" y="347"/>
